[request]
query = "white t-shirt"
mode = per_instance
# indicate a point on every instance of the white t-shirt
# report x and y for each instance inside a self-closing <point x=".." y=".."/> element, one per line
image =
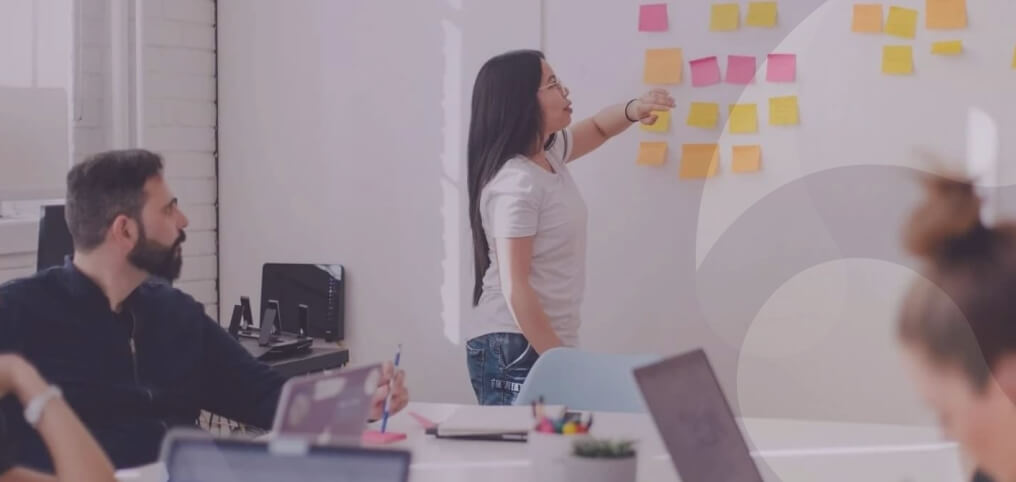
<point x="524" y="199"/>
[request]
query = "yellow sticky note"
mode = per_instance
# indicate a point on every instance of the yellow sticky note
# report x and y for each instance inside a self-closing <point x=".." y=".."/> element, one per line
<point x="1014" y="59"/>
<point x="663" y="66"/>
<point x="950" y="47"/>
<point x="747" y="159"/>
<point x="762" y="14"/>
<point x="743" y="118"/>
<point x="902" y="22"/>
<point x="652" y="153"/>
<point x="783" y="111"/>
<point x="704" y="114"/>
<point x="725" y="17"/>
<point x="662" y="123"/>
<point x="867" y="18"/>
<point x="699" y="161"/>
<point x="946" y="14"/>
<point x="897" y="59"/>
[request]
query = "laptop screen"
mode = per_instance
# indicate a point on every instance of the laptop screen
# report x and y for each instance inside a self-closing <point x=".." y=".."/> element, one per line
<point x="695" y="420"/>
<point x="205" y="459"/>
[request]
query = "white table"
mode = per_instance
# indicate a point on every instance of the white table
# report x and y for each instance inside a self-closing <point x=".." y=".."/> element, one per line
<point x="785" y="450"/>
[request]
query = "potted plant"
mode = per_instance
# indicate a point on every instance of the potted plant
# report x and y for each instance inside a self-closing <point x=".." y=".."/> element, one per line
<point x="602" y="460"/>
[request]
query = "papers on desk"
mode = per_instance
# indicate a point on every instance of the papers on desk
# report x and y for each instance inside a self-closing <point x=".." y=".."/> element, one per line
<point x="493" y="422"/>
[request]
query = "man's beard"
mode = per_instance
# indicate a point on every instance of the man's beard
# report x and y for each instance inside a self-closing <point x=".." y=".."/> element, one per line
<point x="156" y="258"/>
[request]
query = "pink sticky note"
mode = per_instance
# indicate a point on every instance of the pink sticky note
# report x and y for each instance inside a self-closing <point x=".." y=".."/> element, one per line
<point x="705" y="71"/>
<point x="378" y="438"/>
<point x="740" y="69"/>
<point x="653" y="17"/>
<point x="781" y="68"/>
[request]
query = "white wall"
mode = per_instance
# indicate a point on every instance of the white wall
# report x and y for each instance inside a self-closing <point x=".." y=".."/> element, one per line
<point x="343" y="131"/>
<point x="179" y="118"/>
<point x="790" y="278"/>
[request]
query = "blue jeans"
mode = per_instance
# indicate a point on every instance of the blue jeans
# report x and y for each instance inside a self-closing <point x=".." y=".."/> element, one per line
<point x="498" y="365"/>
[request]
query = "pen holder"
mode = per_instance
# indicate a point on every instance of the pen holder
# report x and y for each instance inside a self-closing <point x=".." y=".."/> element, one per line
<point x="549" y="454"/>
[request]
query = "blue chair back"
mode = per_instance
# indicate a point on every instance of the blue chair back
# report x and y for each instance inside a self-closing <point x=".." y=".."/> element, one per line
<point x="585" y="381"/>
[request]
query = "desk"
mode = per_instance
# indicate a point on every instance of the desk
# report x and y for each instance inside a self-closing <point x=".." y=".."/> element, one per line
<point x="785" y="450"/>
<point x="321" y="356"/>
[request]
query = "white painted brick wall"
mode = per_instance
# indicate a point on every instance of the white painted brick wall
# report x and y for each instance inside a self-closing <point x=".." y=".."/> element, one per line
<point x="180" y="122"/>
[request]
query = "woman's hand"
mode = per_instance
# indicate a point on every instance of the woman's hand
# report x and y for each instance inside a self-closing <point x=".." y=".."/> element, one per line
<point x="643" y="108"/>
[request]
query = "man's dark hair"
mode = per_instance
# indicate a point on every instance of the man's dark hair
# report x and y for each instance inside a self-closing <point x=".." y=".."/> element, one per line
<point x="105" y="186"/>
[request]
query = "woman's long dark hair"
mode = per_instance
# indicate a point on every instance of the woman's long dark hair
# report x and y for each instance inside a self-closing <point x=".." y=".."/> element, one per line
<point x="506" y="122"/>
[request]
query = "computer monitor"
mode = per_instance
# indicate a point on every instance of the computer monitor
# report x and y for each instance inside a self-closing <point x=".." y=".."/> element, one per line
<point x="194" y="456"/>
<point x="318" y="286"/>
<point x="55" y="243"/>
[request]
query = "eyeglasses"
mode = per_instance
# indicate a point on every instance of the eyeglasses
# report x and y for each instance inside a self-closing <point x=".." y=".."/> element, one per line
<point x="556" y="84"/>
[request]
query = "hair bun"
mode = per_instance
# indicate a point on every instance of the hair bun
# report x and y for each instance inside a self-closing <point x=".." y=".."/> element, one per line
<point x="950" y="212"/>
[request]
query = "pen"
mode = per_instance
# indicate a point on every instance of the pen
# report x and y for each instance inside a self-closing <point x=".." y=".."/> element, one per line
<point x="388" y="399"/>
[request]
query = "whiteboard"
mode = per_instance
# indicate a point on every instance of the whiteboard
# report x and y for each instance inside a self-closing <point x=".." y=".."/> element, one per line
<point x="790" y="277"/>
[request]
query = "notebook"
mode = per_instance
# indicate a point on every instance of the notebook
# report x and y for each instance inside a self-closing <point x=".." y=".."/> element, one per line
<point x="508" y="423"/>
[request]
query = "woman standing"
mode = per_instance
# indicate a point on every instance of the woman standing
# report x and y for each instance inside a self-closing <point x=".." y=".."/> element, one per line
<point x="527" y="215"/>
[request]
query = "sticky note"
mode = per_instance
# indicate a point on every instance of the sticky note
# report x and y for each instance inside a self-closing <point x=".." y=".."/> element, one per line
<point x="652" y="154"/>
<point x="897" y="59"/>
<point x="663" y="66"/>
<point x="704" y="114"/>
<point x="662" y="123"/>
<point x="949" y="47"/>
<point x="740" y="69"/>
<point x="653" y="17"/>
<point x="902" y="22"/>
<point x="743" y="119"/>
<point x="761" y="14"/>
<point x="1014" y="59"/>
<point x="725" y="17"/>
<point x="705" y="71"/>
<point x="783" y="111"/>
<point x="781" y="68"/>
<point x="746" y="159"/>
<point x="699" y="161"/>
<point x="867" y="18"/>
<point x="945" y="14"/>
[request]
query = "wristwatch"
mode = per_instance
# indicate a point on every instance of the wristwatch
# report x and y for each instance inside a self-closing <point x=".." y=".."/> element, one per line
<point x="33" y="411"/>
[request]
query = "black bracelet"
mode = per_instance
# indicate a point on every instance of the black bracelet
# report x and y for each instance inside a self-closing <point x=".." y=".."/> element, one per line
<point x="626" y="106"/>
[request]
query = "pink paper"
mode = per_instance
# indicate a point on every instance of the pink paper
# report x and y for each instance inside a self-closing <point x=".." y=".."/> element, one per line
<point x="781" y="68"/>
<point x="705" y="71"/>
<point x="653" y="17"/>
<point x="740" y="69"/>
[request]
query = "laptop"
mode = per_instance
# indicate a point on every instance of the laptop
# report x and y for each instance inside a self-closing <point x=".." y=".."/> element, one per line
<point x="195" y="456"/>
<point x="327" y="407"/>
<point x="695" y="421"/>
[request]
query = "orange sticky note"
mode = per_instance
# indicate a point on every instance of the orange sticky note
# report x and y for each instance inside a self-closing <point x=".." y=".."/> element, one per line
<point x="783" y="111"/>
<point x="699" y="161"/>
<point x="946" y="14"/>
<point x="902" y="22"/>
<point x="663" y="66"/>
<point x="652" y="154"/>
<point x="747" y="159"/>
<point x="725" y="17"/>
<point x="1014" y="59"/>
<point x="867" y="18"/>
